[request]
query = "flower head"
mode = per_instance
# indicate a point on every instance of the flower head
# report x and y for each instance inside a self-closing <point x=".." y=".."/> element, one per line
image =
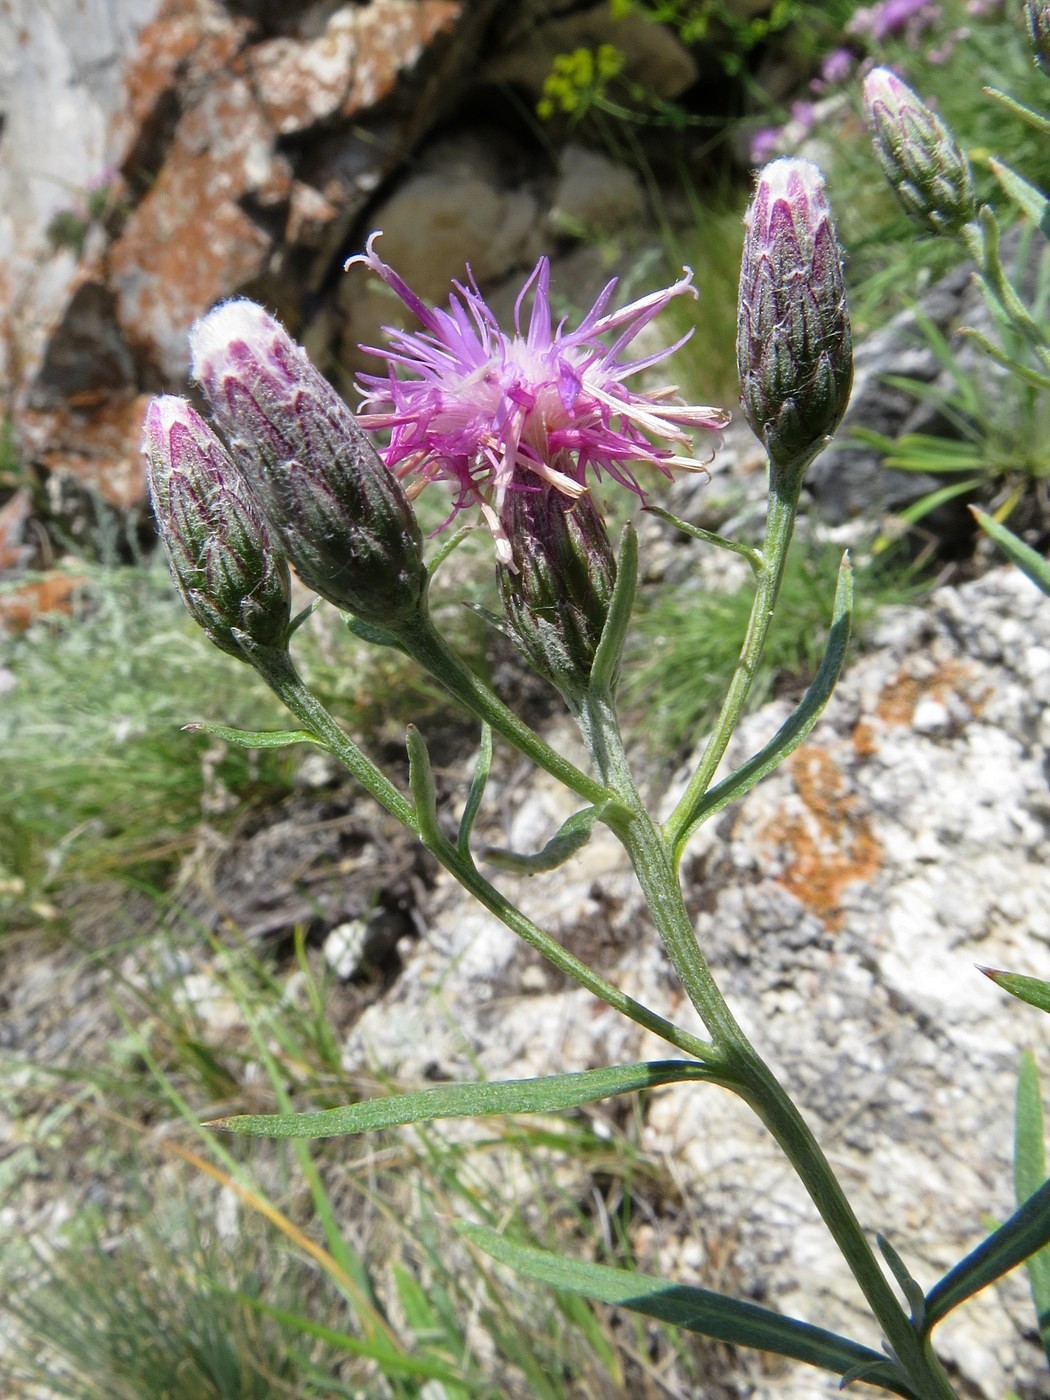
<point x="1037" y="13"/>
<point x="344" y="522"/>
<point x="232" y="576"/>
<point x="493" y="412"/>
<point x="794" y="348"/>
<point x="920" y="158"/>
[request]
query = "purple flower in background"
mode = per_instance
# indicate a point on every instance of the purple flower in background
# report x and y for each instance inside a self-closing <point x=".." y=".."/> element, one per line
<point x="493" y="412"/>
<point x="765" y="144"/>
<point x="893" y="17"/>
<point x="835" y="70"/>
<point x="837" y="66"/>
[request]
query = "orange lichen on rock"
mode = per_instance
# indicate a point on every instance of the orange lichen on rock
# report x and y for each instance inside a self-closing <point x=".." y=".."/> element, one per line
<point x="899" y="698"/>
<point x="824" y="841"/>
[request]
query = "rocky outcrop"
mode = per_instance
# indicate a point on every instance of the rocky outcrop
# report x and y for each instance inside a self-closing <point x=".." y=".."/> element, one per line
<point x="163" y="154"/>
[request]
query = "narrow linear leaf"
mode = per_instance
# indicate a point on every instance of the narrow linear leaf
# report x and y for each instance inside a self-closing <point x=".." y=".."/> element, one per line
<point x="1029" y="1175"/>
<point x="606" y="665"/>
<point x="912" y="514"/>
<point x="908" y="1285"/>
<point x="1027" y="1230"/>
<point x="253" y="739"/>
<point x="1028" y="199"/>
<point x="452" y="543"/>
<point x="1029" y="562"/>
<point x="695" y="1309"/>
<point x="1019" y="109"/>
<point x="424" y="790"/>
<point x="303" y="615"/>
<point x="547" y="1095"/>
<point x="795" y="729"/>
<point x="571" y="836"/>
<point x="749" y="552"/>
<point x="1022" y="371"/>
<point x="477" y="791"/>
<point x="372" y="633"/>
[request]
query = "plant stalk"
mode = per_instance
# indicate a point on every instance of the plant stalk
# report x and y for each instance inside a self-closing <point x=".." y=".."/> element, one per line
<point x="780" y="524"/>
<point x="422" y="641"/>
<point x="748" y="1075"/>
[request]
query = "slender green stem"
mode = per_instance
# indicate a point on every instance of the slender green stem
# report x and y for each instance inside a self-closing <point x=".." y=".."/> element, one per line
<point x="780" y="524"/>
<point x="981" y="241"/>
<point x="471" y="879"/>
<point x="279" y="673"/>
<point x="422" y="641"/>
<point x="652" y="858"/>
<point x="277" y="670"/>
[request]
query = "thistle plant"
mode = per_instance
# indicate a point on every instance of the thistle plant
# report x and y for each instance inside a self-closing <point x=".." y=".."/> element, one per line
<point x="520" y="425"/>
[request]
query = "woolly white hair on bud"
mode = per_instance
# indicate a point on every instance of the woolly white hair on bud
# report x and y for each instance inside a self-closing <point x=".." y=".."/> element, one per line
<point x="231" y="321"/>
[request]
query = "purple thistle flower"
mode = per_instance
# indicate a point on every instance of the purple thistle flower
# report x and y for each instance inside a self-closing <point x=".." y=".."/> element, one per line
<point x="493" y="413"/>
<point x="892" y="17"/>
<point x="837" y="66"/>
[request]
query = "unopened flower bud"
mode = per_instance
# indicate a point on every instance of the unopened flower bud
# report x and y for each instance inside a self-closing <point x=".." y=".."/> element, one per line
<point x="556" y="593"/>
<point x="342" y="517"/>
<point x="794" y="347"/>
<point x="223" y="558"/>
<point x="928" y="171"/>
<point x="1037" y="12"/>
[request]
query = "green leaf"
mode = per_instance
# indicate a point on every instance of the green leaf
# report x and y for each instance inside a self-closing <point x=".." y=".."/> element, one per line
<point x="795" y="729"/>
<point x="1022" y="371"/>
<point x="1019" y="109"/>
<point x="372" y="633"/>
<point x="749" y="552"/>
<point x="1029" y="1175"/>
<point x="909" y="1287"/>
<point x="937" y="498"/>
<point x="695" y="1309"/>
<point x="571" y="836"/>
<point x="1030" y="563"/>
<point x="424" y="790"/>
<point x="1028" y="199"/>
<point x="1027" y="1231"/>
<point x="254" y="739"/>
<point x="550" y="1094"/>
<point x="606" y="665"/>
<point x="477" y="791"/>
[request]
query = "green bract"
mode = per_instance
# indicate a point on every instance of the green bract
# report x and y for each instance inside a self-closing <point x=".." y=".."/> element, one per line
<point x="556" y="595"/>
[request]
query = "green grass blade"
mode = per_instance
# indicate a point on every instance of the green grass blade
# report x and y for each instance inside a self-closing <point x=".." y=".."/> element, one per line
<point x="551" y="1094"/>
<point x="695" y="1309"/>
<point x="1027" y="1231"/>
<point x="914" y="513"/>
<point x="1029" y="1175"/>
<point x="795" y="729"/>
<point x="1023" y="555"/>
<point x="418" y="1367"/>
